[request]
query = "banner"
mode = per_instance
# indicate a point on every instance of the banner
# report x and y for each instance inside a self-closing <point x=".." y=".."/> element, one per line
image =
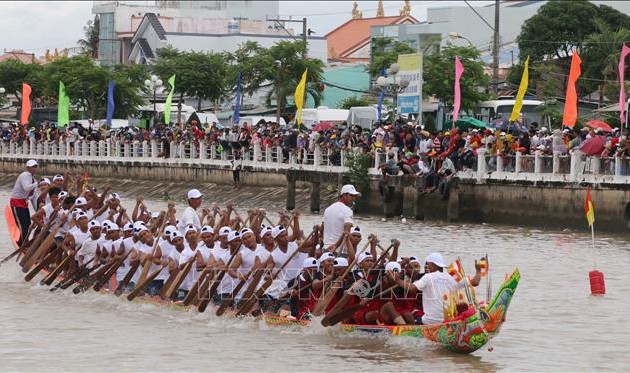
<point x="237" y="105"/>
<point x="459" y="70"/>
<point x="570" y="104"/>
<point x="622" y="88"/>
<point x="299" y="99"/>
<point x="26" y="104"/>
<point x="522" y="89"/>
<point x="169" y="101"/>
<point x="410" y="100"/>
<point x="63" y="106"/>
<point x="111" y="105"/>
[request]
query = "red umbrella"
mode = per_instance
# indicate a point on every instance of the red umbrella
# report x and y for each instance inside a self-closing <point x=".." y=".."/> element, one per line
<point x="594" y="145"/>
<point x="599" y="124"/>
<point x="322" y="126"/>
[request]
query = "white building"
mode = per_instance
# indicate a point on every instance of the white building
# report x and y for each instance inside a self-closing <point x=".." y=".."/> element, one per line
<point x="208" y="35"/>
<point x="119" y="21"/>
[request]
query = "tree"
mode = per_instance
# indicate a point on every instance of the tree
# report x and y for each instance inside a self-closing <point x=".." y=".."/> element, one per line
<point x="352" y="101"/>
<point x="385" y="52"/>
<point x="288" y="70"/>
<point x="89" y="45"/>
<point x="251" y="60"/>
<point x="13" y="73"/>
<point x="439" y="76"/>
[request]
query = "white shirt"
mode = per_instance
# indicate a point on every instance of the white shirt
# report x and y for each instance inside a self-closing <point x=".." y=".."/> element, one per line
<point x="189" y="216"/>
<point x="335" y="216"/>
<point x="25" y="186"/>
<point x="48" y="210"/>
<point x="127" y="244"/>
<point x="88" y="250"/>
<point x="433" y="287"/>
<point x="262" y="253"/>
<point x="79" y="236"/>
<point x="187" y="255"/>
<point x="293" y="269"/>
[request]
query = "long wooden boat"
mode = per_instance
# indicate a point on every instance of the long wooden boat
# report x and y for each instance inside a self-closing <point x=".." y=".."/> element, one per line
<point x="464" y="334"/>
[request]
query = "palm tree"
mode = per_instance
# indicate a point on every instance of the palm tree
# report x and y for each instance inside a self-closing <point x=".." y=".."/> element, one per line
<point x="89" y="45"/>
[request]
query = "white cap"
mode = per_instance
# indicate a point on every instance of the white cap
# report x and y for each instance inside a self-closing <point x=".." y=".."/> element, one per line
<point x="207" y="229"/>
<point x="113" y="227"/>
<point x="436" y="259"/>
<point x="139" y="224"/>
<point x="194" y="193"/>
<point x="63" y="194"/>
<point x="364" y="255"/>
<point x="349" y="189"/>
<point x="57" y="177"/>
<point x="114" y="196"/>
<point x="141" y="229"/>
<point x="31" y="163"/>
<point x="310" y="263"/>
<point x="128" y="227"/>
<point x="45" y="181"/>
<point x="277" y="230"/>
<point x="340" y="262"/>
<point x="80" y="215"/>
<point x="155" y="215"/>
<point x="233" y="235"/>
<point x="326" y="256"/>
<point x="224" y="231"/>
<point x="189" y="228"/>
<point x="176" y="234"/>
<point x="94" y="224"/>
<point x="266" y="230"/>
<point x="245" y="231"/>
<point x="80" y="201"/>
<point x="413" y="259"/>
<point x="107" y="224"/>
<point x="170" y="229"/>
<point x="392" y="266"/>
<point x="355" y="230"/>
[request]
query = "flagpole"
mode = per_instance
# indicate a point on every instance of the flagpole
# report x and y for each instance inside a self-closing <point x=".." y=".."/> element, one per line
<point x="593" y="240"/>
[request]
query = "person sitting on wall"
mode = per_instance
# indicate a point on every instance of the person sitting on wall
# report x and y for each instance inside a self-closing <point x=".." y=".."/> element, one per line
<point x="390" y="167"/>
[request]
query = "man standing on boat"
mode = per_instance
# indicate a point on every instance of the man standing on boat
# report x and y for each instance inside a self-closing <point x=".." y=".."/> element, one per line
<point x="23" y="191"/>
<point x="190" y="215"/>
<point x="338" y="217"/>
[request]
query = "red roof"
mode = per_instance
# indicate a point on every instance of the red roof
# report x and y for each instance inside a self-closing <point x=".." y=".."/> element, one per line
<point x="26" y="58"/>
<point x="355" y="33"/>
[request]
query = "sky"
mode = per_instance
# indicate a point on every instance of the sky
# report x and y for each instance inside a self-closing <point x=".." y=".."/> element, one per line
<point x="35" y="26"/>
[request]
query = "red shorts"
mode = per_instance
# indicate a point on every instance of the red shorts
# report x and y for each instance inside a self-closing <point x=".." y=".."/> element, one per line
<point x="373" y="305"/>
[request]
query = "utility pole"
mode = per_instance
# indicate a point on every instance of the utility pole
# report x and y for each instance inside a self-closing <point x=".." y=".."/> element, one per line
<point x="304" y="30"/>
<point x="304" y="37"/>
<point x="495" y="49"/>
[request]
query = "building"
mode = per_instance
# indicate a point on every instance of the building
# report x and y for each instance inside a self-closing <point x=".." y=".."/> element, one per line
<point x="351" y="42"/>
<point x="19" y="55"/>
<point x="208" y="35"/>
<point x="119" y="20"/>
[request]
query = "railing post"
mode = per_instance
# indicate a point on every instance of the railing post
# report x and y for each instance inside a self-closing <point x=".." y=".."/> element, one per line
<point x="92" y="148"/>
<point x="154" y="149"/>
<point x="102" y="148"/>
<point x="537" y="162"/>
<point x="317" y="156"/>
<point x="618" y="166"/>
<point x="268" y="154"/>
<point x="203" y="148"/>
<point x="257" y="153"/>
<point x="518" y="167"/>
<point x="32" y="148"/>
<point x="145" y="149"/>
<point x="596" y="165"/>
<point x="576" y="160"/>
<point x="499" y="163"/>
<point x="556" y="162"/>
<point x="213" y="151"/>
<point x="126" y="147"/>
<point x="482" y="166"/>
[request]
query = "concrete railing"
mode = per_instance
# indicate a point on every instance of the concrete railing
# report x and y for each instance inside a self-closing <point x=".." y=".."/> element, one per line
<point x="319" y="159"/>
<point x="575" y="167"/>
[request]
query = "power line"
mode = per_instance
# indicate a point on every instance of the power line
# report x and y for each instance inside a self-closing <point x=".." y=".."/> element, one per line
<point x="479" y="15"/>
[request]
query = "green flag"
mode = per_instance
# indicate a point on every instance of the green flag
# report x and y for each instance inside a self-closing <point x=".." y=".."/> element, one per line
<point x="63" y="108"/>
<point x="169" y="100"/>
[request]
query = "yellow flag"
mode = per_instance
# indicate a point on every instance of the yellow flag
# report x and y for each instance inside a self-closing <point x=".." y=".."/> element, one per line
<point x="522" y="88"/>
<point x="299" y="99"/>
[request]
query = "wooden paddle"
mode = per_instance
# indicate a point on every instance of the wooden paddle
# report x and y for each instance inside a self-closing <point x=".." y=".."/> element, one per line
<point x="168" y="283"/>
<point x="132" y="270"/>
<point x="103" y="279"/>
<point x="140" y="288"/>
<point x="192" y="293"/>
<point x="251" y="302"/>
<point x="90" y="280"/>
<point x="226" y="302"/>
<point x="22" y="248"/>
<point x="55" y="272"/>
<point x="218" y="277"/>
<point x="181" y="276"/>
<point x="347" y="295"/>
<point x="44" y="262"/>
<point x="28" y="254"/>
<point x="354" y="308"/>
<point x="65" y="283"/>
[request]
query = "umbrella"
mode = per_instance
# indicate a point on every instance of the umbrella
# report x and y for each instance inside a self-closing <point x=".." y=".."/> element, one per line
<point x="467" y="122"/>
<point x="322" y="126"/>
<point x="594" y="145"/>
<point x="599" y="124"/>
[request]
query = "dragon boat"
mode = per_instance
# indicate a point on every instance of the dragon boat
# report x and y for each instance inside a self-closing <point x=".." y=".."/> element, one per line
<point x="466" y="333"/>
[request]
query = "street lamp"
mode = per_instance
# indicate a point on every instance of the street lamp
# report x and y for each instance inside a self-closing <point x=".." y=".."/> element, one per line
<point x="457" y="35"/>
<point x="154" y="84"/>
<point x="392" y="84"/>
<point x="2" y="91"/>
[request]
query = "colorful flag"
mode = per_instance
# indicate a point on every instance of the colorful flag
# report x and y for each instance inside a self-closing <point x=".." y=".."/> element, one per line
<point x="169" y="100"/>
<point x="459" y="70"/>
<point x="589" y="210"/>
<point x="63" y="106"/>
<point x="299" y="99"/>
<point x="26" y="104"/>
<point x="570" y="104"/>
<point x="111" y="105"/>
<point x="455" y="270"/>
<point x="622" y="89"/>
<point x="237" y="105"/>
<point x="522" y="89"/>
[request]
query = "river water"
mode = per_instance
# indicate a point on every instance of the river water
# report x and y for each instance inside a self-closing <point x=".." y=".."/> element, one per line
<point x="553" y="324"/>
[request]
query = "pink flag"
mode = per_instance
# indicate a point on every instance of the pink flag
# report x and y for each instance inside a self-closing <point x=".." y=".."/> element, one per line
<point x="622" y="89"/>
<point x="459" y="70"/>
<point x="26" y="104"/>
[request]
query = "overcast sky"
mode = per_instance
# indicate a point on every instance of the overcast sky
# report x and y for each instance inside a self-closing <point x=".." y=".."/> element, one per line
<point x="35" y="26"/>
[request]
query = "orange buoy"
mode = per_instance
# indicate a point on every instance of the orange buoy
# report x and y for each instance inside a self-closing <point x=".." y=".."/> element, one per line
<point x="598" y="286"/>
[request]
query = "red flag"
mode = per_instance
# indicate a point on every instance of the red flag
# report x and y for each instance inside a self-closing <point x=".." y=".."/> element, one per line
<point x="26" y="104"/>
<point x="459" y="70"/>
<point x="570" y="105"/>
<point x="589" y="210"/>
